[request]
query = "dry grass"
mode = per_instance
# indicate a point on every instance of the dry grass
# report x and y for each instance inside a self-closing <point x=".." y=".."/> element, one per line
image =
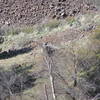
<point x="83" y="47"/>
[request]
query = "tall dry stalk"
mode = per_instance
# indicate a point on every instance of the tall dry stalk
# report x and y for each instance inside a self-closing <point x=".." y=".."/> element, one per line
<point x="49" y="65"/>
<point x="48" y="51"/>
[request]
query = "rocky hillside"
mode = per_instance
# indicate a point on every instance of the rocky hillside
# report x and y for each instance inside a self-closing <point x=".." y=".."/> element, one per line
<point x="33" y="11"/>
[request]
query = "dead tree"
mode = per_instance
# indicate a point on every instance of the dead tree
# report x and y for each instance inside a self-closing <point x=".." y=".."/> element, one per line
<point x="97" y="97"/>
<point x="49" y="51"/>
<point x="46" y="93"/>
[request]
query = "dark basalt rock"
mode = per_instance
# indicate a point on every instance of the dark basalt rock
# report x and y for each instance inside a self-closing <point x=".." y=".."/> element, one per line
<point x="12" y="53"/>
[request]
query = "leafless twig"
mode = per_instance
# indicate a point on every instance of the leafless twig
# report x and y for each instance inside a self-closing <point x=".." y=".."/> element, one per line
<point x="48" y="51"/>
<point x="51" y="77"/>
<point x="46" y="94"/>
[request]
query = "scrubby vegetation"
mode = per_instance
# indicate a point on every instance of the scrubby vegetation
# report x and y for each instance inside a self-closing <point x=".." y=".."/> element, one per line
<point x="14" y="81"/>
<point x="66" y="57"/>
<point x="89" y="65"/>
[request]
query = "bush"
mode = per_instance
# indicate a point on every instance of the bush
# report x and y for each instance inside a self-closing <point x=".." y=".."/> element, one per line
<point x="52" y="24"/>
<point x="97" y="34"/>
<point x="28" y="29"/>
<point x="89" y="63"/>
<point x="1" y="39"/>
<point x="13" y="82"/>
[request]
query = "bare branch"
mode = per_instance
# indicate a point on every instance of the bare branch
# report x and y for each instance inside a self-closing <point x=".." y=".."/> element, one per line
<point x="46" y="94"/>
<point x="49" y="51"/>
<point x="97" y="97"/>
<point x="51" y="78"/>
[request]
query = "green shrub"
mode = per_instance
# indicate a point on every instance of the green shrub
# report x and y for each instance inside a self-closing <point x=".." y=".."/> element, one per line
<point x="87" y="73"/>
<point x="27" y="29"/>
<point x="1" y="39"/>
<point x="52" y="24"/>
<point x="70" y="20"/>
<point x="96" y="33"/>
<point x="12" y="31"/>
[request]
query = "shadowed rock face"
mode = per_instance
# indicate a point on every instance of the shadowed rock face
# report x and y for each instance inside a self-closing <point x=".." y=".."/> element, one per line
<point x="12" y="53"/>
<point x="33" y="11"/>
